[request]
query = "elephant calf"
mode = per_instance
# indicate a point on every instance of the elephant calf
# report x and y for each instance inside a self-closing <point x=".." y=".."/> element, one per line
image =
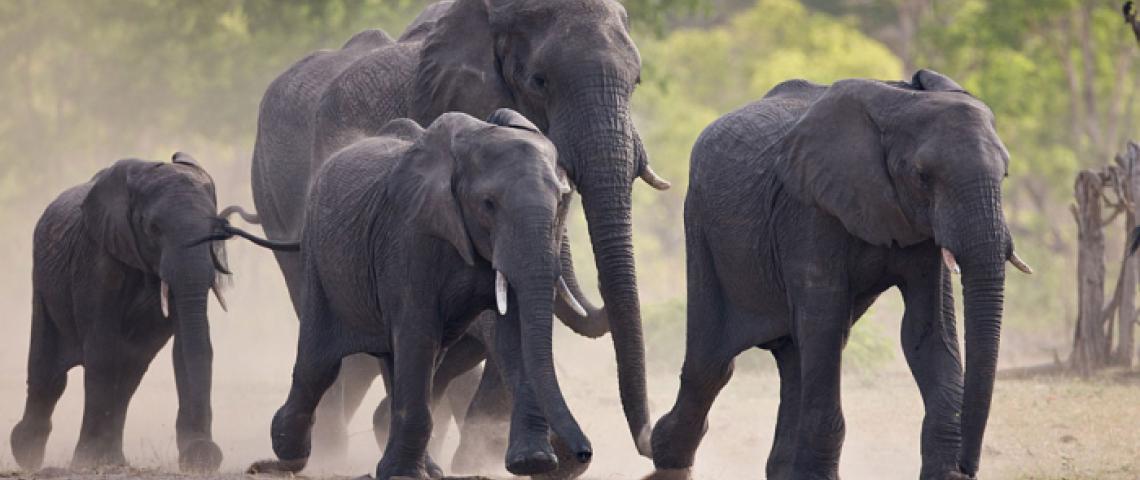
<point x="408" y="236"/>
<point x="802" y="208"/>
<point x="119" y="267"/>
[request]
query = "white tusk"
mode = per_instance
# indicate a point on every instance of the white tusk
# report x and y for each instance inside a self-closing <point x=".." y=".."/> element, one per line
<point x="653" y="179"/>
<point x="1020" y="264"/>
<point x="221" y="299"/>
<point x="501" y="292"/>
<point x="564" y="291"/>
<point x="164" y="299"/>
<point x="951" y="262"/>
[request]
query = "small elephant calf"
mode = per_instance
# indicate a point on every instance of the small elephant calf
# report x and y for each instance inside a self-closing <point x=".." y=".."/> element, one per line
<point x="408" y="236"/>
<point x="119" y="268"/>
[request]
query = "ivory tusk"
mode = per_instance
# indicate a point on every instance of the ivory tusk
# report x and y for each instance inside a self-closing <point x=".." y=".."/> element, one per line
<point x="1020" y="264"/>
<point x="164" y="299"/>
<point x="951" y="262"/>
<point x="653" y="179"/>
<point x="501" y="292"/>
<point x="564" y="291"/>
<point x="221" y="299"/>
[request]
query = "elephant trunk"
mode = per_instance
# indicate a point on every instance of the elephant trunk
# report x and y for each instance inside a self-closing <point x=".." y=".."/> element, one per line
<point x="189" y="274"/>
<point x="983" y="250"/>
<point x="592" y="325"/>
<point x="603" y="155"/>
<point x="532" y="279"/>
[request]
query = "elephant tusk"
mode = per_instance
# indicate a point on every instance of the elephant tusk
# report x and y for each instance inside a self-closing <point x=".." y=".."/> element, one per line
<point x="564" y="291"/>
<point x="653" y="179"/>
<point x="221" y="299"/>
<point x="501" y="292"/>
<point x="1020" y="264"/>
<point x="164" y="299"/>
<point x="951" y="262"/>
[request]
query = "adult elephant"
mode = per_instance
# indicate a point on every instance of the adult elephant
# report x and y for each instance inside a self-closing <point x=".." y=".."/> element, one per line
<point x="805" y="206"/>
<point x="568" y="66"/>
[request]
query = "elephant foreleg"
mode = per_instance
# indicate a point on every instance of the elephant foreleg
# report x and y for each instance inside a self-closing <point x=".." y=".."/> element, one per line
<point x="413" y="362"/>
<point x="822" y="320"/>
<point x="110" y="377"/>
<point x="930" y="344"/>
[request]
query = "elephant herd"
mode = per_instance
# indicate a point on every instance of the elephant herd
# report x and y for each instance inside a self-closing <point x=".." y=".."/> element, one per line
<point x="415" y="193"/>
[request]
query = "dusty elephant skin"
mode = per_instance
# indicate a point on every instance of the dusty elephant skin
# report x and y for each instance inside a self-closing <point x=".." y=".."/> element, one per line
<point x="408" y="236"/>
<point x="569" y="67"/>
<point x="805" y="206"/>
<point x="119" y="268"/>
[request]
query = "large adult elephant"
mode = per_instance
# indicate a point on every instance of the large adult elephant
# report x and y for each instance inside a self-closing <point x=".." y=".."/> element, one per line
<point x="568" y="66"/>
<point x="805" y="206"/>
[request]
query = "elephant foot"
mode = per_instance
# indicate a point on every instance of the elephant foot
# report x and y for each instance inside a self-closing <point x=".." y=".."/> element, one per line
<point x="569" y="466"/>
<point x="87" y="458"/>
<point x="200" y="456"/>
<point x="956" y="475"/>
<point x="28" y="441"/>
<point x="670" y="474"/>
<point x="275" y="466"/>
<point x="433" y="469"/>
<point x="525" y="462"/>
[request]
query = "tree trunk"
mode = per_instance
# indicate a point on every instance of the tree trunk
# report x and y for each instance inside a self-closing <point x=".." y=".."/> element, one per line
<point x="1090" y="347"/>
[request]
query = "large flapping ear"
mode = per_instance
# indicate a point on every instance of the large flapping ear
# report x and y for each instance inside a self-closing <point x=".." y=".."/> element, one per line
<point x="428" y="170"/>
<point x="505" y="117"/>
<point x="107" y="212"/>
<point x="834" y="158"/>
<point x="458" y="70"/>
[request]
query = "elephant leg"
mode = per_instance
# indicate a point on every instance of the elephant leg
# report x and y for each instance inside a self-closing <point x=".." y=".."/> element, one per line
<point x="712" y="344"/>
<point x="316" y="368"/>
<point x="413" y="363"/>
<point x="47" y="378"/>
<point x="930" y="344"/>
<point x="340" y="401"/>
<point x="782" y="458"/>
<point x="196" y="448"/>
<point x="112" y="372"/>
<point x="458" y="361"/>
<point x="822" y="320"/>
<point x="529" y="451"/>
<point x="482" y="433"/>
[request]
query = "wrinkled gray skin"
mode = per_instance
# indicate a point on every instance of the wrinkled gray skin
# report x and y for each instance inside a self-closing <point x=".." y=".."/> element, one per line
<point x="804" y="207"/>
<point x="403" y="236"/>
<point x="101" y="251"/>
<point x="569" y="66"/>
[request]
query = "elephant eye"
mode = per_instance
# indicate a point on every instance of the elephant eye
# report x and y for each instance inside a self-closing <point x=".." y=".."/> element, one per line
<point x="924" y="178"/>
<point x="489" y="205"/>
<point x="539" y="81"/>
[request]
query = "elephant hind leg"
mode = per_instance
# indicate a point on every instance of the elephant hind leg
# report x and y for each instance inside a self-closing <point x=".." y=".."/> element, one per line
<point x="47" y="378"/>
<point x="782" y="458"/>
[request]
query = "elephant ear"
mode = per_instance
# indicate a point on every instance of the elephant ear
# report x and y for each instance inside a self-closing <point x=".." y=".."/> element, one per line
<point x="458" y="70"/>
<point x="834" y="158"/>
<point x="428" y="170"/>
<point x="108" y="214"/>
<point x="935" y="82"/>
<point x="183" y="158"/>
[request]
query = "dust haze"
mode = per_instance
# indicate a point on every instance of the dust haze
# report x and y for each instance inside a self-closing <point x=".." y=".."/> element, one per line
<point x="1039" y="427"/>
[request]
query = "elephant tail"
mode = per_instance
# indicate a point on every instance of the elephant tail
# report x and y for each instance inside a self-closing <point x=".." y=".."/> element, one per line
<point x="250" y="218"/>
<point x="225" y="231"/>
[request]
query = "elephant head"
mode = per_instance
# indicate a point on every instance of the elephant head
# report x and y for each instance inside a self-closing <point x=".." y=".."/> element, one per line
<point x="570" y="67"/>
<point x="898" y="164"/>
<point x="493" y="190"/>
<point x="145" y="215"/>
